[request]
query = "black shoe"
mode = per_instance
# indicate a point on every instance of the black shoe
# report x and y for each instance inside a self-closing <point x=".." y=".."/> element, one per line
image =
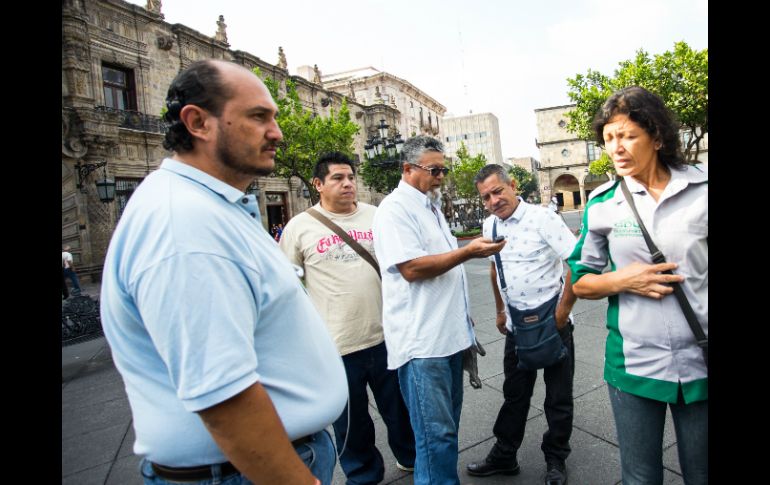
<point x="486" y="468"/>
<point x="556" y="474"/>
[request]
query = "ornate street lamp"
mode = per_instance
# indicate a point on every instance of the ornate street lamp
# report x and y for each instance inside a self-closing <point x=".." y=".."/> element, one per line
<point x="105" y="187"/>
<point x="383" y="150"/>
<point x="303" y="190"/>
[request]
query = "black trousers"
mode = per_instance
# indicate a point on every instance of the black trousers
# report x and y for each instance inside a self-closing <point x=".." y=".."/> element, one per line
<point x="558" y="405"/>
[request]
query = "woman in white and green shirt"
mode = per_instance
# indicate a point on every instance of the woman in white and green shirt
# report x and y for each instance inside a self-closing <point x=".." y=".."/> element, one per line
<point x="652" y="360"/>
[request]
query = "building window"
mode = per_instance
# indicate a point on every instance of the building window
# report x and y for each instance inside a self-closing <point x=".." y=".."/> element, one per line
<point x="592" y="151"/>
<point x="119" y="91"/>
<point x="123" y="190"/>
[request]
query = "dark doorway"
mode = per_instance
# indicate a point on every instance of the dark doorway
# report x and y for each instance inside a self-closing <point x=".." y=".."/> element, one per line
<point x="559" y="199"/>
<point x="275" y="205"/>
<point x="576" y="198"/>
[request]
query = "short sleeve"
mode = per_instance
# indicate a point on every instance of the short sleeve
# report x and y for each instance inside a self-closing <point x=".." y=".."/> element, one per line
<point x="562" y="241"/>
<point x="396" y="237"/>
<point x="590" y="254"/>
<point x="290" y="244"/>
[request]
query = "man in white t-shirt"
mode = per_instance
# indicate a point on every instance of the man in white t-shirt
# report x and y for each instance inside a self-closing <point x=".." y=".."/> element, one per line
<point x="68" y="266"/>
<point x="346" y="290"/>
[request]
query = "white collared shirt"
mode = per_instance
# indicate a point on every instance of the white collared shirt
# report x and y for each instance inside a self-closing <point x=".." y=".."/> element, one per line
<point x="537" y="240"/>
<point x="424" y="318"/>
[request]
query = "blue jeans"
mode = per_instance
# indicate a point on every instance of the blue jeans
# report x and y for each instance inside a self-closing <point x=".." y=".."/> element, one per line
<point x="433" y="392"/>
<point x="319" y="456"/>
<point x="361" y="460"/>
<point x="69" y="273"/>
<point x="640" y="421"/>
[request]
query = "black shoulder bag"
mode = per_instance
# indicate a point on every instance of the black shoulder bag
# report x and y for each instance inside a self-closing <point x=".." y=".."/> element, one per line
<point x="657" y="257"/>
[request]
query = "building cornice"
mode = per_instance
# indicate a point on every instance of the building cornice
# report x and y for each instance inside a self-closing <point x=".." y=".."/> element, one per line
<point x="555" y="107"/>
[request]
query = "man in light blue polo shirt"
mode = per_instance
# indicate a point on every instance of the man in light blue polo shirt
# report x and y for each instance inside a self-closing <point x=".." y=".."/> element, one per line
<point x="426" y="313"/>
<point x="229" y="369"/>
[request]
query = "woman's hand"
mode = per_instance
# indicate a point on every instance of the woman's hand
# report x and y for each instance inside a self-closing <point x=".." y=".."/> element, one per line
<point x="646" y="280"/>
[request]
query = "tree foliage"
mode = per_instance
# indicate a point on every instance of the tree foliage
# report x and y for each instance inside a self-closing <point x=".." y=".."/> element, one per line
<point x="525" y="182"/>
<point x="679" y="77"/>
<point x="602" y="166"/>
<point x="464" y="169"/>
<point x="381" y="175"/>
<point x="461" y="185"/>
<point x="306" y="136"/>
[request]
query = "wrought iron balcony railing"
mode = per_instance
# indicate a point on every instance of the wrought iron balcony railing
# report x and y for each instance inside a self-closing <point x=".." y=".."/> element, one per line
<point x="134" y="120"/>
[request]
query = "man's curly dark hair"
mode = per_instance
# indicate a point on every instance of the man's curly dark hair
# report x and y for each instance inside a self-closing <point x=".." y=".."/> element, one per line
<point x="200" y="84"/>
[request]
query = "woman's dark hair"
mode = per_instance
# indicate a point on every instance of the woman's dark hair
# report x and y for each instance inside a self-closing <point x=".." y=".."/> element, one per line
<point x="200" y="84"/>
<point x="648" y="111"/>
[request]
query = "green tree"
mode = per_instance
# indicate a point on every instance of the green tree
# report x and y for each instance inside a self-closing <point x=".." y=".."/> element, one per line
<point x="464" y="169"/>
<point x="679" y="77"/>
<point x="380" y="175"/>
<point x="306" y="136"/>
<point x="525" y="182"/>
<point x="461" y="184"/>
<point x="602" y="166"/>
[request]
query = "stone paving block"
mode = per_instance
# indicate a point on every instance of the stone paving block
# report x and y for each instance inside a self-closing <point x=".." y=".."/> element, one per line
<point x="125" y="471"/>
<point x="78" y="421"/>
<point x="127" y="446"/>
<point x="90" y="391"/>
<point x="491" y="364"/>
<point x="496" y="383"/>
<point x="593" y="414"/>
<point x="91" y="476"/>
<point x="670" y="478"/>
<point x="592" y="460"/>
<point x="671" y="459"/>
<point x="86" y="451"/>
<point x="592" y="316"/>
<point x="589" y="344"/>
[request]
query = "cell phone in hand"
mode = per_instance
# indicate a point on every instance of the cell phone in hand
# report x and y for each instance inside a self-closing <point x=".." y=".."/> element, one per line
<point x="499" y="239"/>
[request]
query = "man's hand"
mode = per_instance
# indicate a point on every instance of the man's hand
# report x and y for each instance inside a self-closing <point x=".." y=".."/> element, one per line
<point x="646" y="280"/>
<point x="500" y="323"/>
<point x="561" y="316"/>
<point x="482" y="247"/>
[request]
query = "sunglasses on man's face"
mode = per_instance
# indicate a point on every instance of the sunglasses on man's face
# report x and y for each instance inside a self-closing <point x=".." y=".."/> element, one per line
<point x="434" y="171"/>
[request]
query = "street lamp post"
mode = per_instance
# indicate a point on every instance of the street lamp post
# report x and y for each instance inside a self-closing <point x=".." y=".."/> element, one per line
<point x="105" y="187"/>
<point x="383" y="150"/>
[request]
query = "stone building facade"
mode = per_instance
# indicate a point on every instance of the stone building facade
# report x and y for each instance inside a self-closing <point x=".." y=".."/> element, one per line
<point x="564" y="159"/>
<point x="480" y="132"/>
<point x="414" y="112"/>
<point x="118" y="60"/>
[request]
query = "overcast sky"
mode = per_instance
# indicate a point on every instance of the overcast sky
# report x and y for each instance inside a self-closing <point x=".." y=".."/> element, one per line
<point x="507" y="57"/>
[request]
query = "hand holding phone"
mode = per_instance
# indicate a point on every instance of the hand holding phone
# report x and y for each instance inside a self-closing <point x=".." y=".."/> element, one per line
<point x="498" y="239"/>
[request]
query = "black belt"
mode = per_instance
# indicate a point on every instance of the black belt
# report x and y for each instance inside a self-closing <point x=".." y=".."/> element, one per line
<point x="193" y="473"/>
<point x="203" y="472"/>
<point x="302" y="441"/>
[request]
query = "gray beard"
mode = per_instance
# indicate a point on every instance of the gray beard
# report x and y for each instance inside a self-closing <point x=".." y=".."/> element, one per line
<point x="434" y="196"/>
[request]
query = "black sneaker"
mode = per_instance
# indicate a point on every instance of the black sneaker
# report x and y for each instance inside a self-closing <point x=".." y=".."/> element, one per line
<point x="556" y="474"/>
<point x="486" y="468"/>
